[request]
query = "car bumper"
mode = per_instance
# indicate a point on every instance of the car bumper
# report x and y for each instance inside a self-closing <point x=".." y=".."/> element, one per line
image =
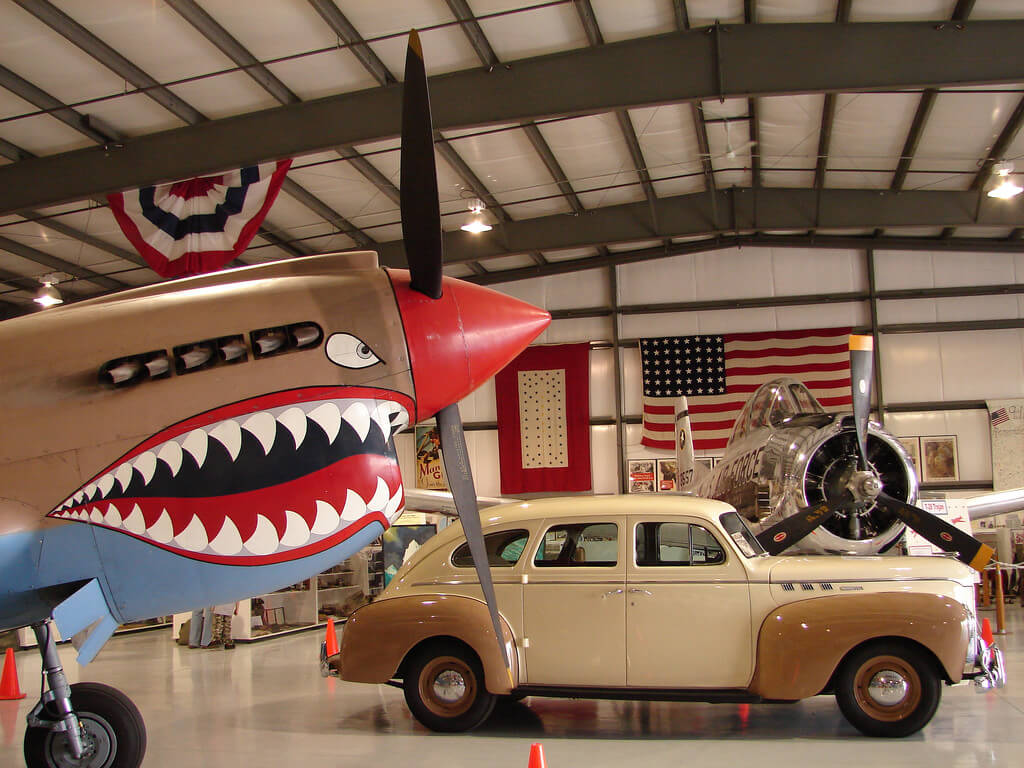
<point x="989" y="670"/>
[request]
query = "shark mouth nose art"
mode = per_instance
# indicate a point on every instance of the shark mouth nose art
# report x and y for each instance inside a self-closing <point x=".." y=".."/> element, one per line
<point x="266" y="480"/>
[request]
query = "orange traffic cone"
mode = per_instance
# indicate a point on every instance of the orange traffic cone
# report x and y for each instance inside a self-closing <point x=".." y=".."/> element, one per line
<point x="537" y="757"/>
<point x="986" y="633"/>
<point x="332" y="639"/>
<point x="9" y="681"/>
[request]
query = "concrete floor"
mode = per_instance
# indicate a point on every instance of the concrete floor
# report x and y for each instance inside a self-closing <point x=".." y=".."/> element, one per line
<point x="266" y="705"/>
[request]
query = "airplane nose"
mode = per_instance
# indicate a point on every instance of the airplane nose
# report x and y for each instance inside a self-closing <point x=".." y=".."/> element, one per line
<point x="459" y="341"/>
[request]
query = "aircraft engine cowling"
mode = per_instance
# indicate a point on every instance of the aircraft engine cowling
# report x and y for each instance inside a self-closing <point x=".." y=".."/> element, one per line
<point x="819" y="474"/>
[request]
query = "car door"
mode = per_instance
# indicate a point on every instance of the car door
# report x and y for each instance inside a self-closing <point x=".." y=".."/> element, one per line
<point x="574" y="610"/>
<point x="687" y="608"/>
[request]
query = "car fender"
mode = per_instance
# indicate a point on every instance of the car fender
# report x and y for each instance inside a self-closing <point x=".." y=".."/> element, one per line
<point x="801" y="644"/>
<point x="378" y="637"/>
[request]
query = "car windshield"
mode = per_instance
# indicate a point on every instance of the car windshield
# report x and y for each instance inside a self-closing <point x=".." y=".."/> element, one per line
<point x="740" y="534"/>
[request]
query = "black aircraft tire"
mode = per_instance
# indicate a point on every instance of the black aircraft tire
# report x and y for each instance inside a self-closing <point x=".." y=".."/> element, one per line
<point x="890" y="711"/>
<point x="444" y="688"/>
<point x="115" y="734"/>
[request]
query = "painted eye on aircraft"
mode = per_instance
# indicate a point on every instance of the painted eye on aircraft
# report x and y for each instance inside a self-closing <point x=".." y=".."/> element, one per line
<point x="348" y="351"/>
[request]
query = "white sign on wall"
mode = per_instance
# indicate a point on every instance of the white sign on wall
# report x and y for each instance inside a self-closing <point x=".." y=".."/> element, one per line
<point x="953" y="511"/>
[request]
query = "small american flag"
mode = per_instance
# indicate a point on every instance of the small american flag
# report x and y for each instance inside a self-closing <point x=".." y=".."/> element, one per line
<point x="719" y="373"/>
<point x="999" y="416"/>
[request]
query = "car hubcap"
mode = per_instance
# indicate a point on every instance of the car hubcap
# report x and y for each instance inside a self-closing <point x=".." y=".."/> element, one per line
<point x="888" y="688"/>
<point x="449" y="686"/>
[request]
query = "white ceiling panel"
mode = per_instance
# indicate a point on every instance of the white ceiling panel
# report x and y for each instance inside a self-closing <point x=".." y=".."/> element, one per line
<point x="570" y="254"/>
<point x="729" y="142"/>
<point x="637" y="18"/>
<point x="225" y="95"/>
<point x="901" y="10"/>
<point x="789" y="128"/>
<point x="998" y="9"/>
<point x="998" y="233"/>
<point x="785" y="11"/>
<point x="330" y="243"/>
<point x="938" y="180"/>
<point x="41" y="135"/>
<point x="868" y="133"/>
<point x="508" y="262"/>
<point x="593" y="153"/>
<point x="74" y="251"/>
<point x="913" y="231"/>
<point x="444" y="50"/>
<point x="340" y="185"/>
<point x="323" y="74"/>
<point x="669" y="145"/>
<point x="458" y="270"/>
<point x="961" y="128"/>
<point x="529" y="33"/>
<point x="704" y="12"/>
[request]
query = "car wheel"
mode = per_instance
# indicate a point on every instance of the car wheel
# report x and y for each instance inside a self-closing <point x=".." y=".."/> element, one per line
<point x="888" y="689"/>
<point x="113" y="733"/>
<point x="444" y="688"/>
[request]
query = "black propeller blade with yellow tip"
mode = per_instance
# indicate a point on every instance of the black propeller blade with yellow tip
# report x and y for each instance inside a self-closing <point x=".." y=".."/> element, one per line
<point x="421" y="231"/>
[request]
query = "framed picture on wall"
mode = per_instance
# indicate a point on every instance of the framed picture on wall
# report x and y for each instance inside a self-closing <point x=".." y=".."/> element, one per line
<point x="938" y="459"/>
<point x="667" y="475"/>
<point x="912" y="445"/>
<point x="641" y="475"/>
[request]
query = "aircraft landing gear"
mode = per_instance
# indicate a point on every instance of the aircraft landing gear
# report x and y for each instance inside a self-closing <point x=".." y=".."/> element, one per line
<point x="85" y="725"/>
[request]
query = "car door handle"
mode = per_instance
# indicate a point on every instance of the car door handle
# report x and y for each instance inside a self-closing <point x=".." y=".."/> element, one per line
<point x="610" y="593"/>
<point x="638" y="591"/>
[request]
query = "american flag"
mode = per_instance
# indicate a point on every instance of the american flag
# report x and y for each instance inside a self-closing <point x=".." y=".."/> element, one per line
<point x="719" y="373"/>
<point x="999" y="416"/>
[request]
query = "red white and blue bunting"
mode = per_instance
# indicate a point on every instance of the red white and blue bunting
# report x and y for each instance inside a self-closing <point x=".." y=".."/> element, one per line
<point x="199" y="225"/>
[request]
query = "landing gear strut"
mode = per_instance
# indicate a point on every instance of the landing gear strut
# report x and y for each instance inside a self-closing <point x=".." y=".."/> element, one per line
<point x="101" y="729"/>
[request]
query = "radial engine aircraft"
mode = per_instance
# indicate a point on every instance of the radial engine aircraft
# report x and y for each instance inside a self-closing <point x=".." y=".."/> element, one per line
<point x="815" y="481"/>
<point x="203" y="440"/>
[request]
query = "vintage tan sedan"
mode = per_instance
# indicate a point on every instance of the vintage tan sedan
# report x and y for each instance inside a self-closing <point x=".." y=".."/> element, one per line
<point x="665" y="597"/>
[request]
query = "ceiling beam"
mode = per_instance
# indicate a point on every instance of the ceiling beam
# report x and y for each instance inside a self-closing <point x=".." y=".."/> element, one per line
<point x="755" y="59"/>
<point x="734" y="209"/>
<point x="53" y="262"/>
<point x="39" y="98"/>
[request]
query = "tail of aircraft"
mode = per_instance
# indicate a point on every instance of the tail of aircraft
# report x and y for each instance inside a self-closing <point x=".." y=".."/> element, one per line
<point x="685" y="463"/>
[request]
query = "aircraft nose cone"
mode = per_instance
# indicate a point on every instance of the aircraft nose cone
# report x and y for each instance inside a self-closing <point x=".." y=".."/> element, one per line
<point x="459" y="341"/>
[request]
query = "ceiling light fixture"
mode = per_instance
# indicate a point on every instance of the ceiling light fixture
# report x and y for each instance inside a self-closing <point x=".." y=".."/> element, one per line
<point x="1006" y="188"/>
<point x="476" y="223"/>
<point x="47" y="295"/>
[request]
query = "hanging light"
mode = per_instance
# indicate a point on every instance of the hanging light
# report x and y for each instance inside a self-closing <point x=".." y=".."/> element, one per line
<point x="1006" y="188"/>
<point x="47" y="295"/>
<point x="476" y="223"/>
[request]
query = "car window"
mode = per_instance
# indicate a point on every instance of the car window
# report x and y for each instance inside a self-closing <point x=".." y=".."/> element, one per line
<point x="741" y="535"/>
<point x="503" y="549"/>
<point x="580" y="544"/>
<point x="677" y="544"/>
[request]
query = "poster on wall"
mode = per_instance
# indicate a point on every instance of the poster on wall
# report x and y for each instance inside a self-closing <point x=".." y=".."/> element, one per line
<point x="399" y="543"/>
<point x="667" y="475"/>
<point x="641" y="475"/>
<point x="939" y="462"/>
<point x="912" y="445"/>
<point x="429" y="468"/>
<point x="1006" y="424"/>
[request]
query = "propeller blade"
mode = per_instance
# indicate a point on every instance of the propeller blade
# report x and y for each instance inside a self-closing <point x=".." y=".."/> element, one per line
<point x="460" y="479"/>
<point x="421" y="209"/>
<point x="790" y="530"/>
<point x="940" y="533"/>
<point x="861" y="365"/>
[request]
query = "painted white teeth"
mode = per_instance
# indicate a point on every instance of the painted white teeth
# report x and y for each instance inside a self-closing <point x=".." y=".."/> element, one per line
<point x="90" y="489"/>
<point x="105" y="483"/>
<point x="264" y="539"/>
<point x="96" y="516"/>
<point x="193" y="538"/>
<point x="295" y="420"/>
<point x="79" y="497"/>
<point x="326" y="518"/>
<point x="380" y="497"/>
<point x="394" y="507"/>
<point x="228" y="541"/>
<point x="145" y="465"/>
<point x="171" y="455"/>
<point x="162" y="530"/>
<point x="354" y="508"/>
<point x="229" y="434"/>
<point x="380" y="416"/>
<point x="296" y="532"/>
<point x="123" y="475"/>
<point x="113" y="517"/>
<point x="329" y="418"/>
<point x="264" y="428"/>
<point x="358" y="417"/>
<point x="135" y="522"/>
<point x="196" y="444"/>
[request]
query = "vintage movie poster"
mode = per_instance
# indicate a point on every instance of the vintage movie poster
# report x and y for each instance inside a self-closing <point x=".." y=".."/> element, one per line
<point x="641" y="475"/>
<point x="667" y="475"/>
<point x="938" y="460"/>
<point x="429" y="469"/>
